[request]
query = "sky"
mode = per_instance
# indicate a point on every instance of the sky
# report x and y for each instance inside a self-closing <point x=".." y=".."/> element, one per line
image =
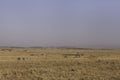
<point x="60" y="23"/>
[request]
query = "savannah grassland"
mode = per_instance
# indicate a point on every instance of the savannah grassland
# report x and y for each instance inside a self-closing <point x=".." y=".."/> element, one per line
<point x="50" y="64"/>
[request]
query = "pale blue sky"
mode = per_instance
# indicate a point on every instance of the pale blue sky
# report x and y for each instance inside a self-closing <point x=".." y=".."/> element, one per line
<point x="74" y="23"/>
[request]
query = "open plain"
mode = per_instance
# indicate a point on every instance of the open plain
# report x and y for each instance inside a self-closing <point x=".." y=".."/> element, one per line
<point x="52" y="64"/>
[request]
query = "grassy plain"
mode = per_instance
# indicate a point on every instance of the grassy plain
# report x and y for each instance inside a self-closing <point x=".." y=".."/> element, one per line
<point x="50" y="64"/>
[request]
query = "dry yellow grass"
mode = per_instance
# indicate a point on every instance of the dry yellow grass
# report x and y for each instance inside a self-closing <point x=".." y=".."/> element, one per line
<point x="50" y="64"/>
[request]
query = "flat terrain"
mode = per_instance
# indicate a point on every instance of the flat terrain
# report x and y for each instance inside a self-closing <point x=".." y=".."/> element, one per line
<point x="51" y="64"/>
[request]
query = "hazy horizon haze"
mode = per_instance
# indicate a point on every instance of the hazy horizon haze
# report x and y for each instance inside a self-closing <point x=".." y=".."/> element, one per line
<point x="56" y="23"/>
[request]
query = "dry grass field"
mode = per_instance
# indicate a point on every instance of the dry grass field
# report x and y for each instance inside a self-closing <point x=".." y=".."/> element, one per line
<point x="51" y="64"/>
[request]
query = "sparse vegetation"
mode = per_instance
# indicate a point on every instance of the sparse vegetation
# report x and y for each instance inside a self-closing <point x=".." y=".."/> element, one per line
<point x="50" y="64"/>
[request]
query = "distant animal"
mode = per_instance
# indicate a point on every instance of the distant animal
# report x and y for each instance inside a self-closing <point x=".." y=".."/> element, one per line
<point x="34" y="55"/>
<point x="77" y="55"/>
<point x="23" y="58"/>
<point x="19" y="58"/>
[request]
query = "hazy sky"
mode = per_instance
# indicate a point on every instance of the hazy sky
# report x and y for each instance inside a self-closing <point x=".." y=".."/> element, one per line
<point x="76" y="23"/>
